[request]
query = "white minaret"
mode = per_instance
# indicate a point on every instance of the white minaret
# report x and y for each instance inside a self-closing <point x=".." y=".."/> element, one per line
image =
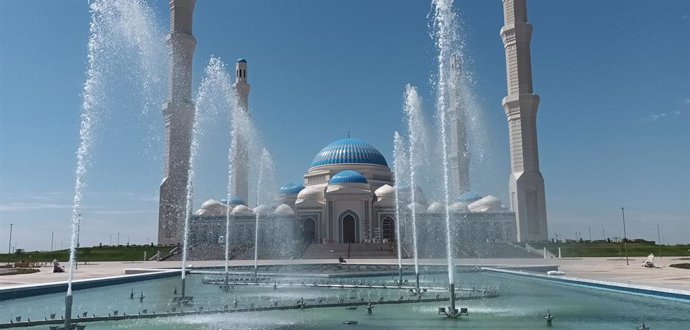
<point x="527" y="198"/>
<point x="241" y="85"/>
<point x="240" y="159"/>
<point x="459" y="152"/>
<point x="178" y="113"/>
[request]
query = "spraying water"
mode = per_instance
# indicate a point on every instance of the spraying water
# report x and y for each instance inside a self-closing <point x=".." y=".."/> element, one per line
<point x="445" y="37"/>
<point x="231" y="171"/>
<point x="398" y="167"/>
<point x="259" y="185"/>
<point x="412" y="110"/>
<point x="214" y="98"/>
<point x="264" y="189"/>
<point x="115" y="28"/>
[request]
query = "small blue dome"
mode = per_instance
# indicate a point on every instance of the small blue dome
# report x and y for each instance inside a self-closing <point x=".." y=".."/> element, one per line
<point x="241" y="60"/>
<point x="348" y="176"/>
<point x="236" y="201"/>
<point x="469" y="197"/>
<point x="291" y="189"/>
<point x="348" y="151"/>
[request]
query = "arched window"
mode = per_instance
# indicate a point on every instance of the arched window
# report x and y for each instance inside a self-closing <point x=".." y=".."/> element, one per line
<point x="349" y="229"/>
<point x="388" y="228"/>
<point x="309" y="230"/>
<point x="348" y="223"/>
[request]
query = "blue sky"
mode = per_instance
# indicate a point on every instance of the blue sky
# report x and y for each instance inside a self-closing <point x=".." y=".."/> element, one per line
<point x="613" y="124"/>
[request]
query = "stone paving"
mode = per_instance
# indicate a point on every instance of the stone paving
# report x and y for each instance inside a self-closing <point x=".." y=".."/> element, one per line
<point x="604" y="269"/>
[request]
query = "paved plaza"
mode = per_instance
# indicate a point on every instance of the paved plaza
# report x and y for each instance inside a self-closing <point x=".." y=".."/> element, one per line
<point x="601" y="269"/>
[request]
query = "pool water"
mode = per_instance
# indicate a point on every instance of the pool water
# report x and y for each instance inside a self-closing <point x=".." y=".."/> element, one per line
<point x="521" y="304"/>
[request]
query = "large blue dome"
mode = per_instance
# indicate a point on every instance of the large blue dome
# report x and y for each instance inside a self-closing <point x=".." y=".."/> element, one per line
<point x="349" y="151"/>
<point x="236" y="201"/>
<point x="348" y="176"/>
<point x="291" y="189"/>
<point x="469" y="197"/>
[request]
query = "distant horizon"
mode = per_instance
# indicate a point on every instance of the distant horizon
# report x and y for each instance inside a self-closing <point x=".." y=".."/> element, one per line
<point x="613" y="123"/>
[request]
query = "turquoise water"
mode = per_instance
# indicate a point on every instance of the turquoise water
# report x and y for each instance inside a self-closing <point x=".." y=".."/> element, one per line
<point x="521" y="305"/>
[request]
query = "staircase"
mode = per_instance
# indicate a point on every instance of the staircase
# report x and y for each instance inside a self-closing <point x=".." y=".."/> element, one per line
<point x="359" y="250"/>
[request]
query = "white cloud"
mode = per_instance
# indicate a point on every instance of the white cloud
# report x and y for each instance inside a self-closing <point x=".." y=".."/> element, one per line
<point x="120" y="212"/>
<point x="30" y="206"/>
<point x="20" y="202"/>
<point x="662" y="115"/>
<point x="146" y="198"/>
<point x="656" y="116"/>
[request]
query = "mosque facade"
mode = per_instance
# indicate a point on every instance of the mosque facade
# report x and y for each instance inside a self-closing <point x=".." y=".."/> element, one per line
<point x="348" y="195"/>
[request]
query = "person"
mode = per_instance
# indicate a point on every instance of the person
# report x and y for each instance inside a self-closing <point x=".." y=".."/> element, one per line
<point x="341" y="260"/>
<point x="57" y="268"/>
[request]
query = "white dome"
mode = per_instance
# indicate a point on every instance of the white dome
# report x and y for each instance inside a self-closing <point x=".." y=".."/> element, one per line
<point x="241" y="210"/>
<point x="458" y="207"/>
<point x="203" y="213"/>
<point x="435" y="207"/>
<point x="210" y="203"/>
<point x="385" y="191"/>
<point x="212" y="207"/>
<point x="284" y="210"/>
<point x="262" y="210"/>
<point x="310" y="193"/>
<point x="486" y="204"/>
<point x="416" y="206"/>
<point x="385" y="195"/>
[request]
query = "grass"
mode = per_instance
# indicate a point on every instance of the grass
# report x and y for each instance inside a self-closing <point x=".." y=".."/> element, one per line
<point x="104" y="253"/>
<point x="604" y="249"/>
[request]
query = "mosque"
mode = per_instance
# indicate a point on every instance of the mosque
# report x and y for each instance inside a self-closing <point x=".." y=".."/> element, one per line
<point x="348" y="194"/>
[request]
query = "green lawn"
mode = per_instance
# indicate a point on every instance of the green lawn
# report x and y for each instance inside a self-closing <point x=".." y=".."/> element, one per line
<point x="105" y="253"/>
<point x="595" y="249"/>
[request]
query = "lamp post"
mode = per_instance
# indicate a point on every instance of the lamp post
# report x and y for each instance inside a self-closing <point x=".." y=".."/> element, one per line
<point x="658" y="239"/>
<point x="78" y="229"/>
<point x="625" y="238"/>
<point x="9" y="249"/>
<point x="590" y="233"/>
<point x="76" y="250"/>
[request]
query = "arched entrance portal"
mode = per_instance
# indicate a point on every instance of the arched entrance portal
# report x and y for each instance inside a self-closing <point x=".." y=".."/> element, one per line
<point x="309" y="230"/>
<point x="349" y="229"/>
<point x="388" y="228"/>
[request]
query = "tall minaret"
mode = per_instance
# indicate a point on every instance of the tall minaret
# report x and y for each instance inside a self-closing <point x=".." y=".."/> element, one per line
<point x="178" y="113"/>
<point x="241" y="85"/>
<point x="240" y="159"/>
<point x="526" y="185"/>
<point x="459" y="153"/>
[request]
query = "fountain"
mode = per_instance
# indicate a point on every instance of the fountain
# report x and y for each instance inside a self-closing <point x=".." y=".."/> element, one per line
<point x="334" y="286"/>
<point x="233" y="147"/>
<point x="213" y="87"/>
<point x="445" y="37"/>
<point x="399" y="161"/>
<point x="110" y="32"/>
<point x="412" y="111"/>
<point x="264" y="195"/>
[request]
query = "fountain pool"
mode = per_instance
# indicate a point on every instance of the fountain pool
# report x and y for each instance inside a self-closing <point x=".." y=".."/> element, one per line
<point x="521" y="302"/>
